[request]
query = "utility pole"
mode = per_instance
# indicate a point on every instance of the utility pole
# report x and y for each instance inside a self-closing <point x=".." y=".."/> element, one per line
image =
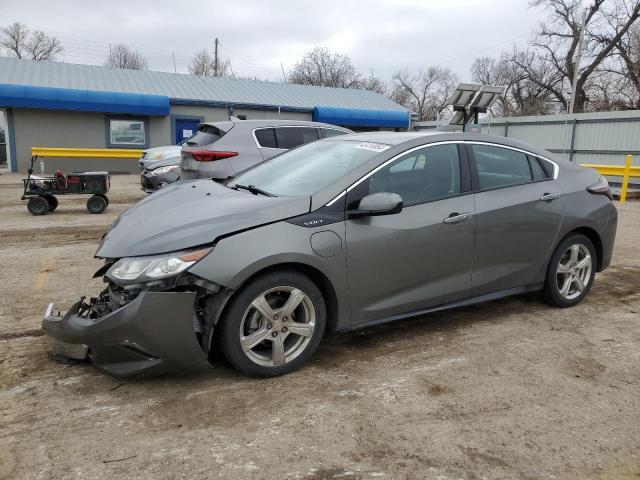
<point x="284" y="76"/>
<point x="215" y="58"/>
<point x="576" y="64"/>
<point x="173" y="54"/>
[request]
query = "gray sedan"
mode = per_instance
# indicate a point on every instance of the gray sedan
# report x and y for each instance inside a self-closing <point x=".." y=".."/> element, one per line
<point x="336" y="235"/>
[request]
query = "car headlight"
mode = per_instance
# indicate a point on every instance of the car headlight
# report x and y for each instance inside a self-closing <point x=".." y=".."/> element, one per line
<point x="163" y="170"/>
<point x="155" y="266"/>
<point x="154" y="156"/>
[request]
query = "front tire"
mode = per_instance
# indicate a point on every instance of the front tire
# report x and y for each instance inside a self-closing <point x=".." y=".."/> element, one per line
<point x="571" y="272"/>
<point x="273" y="325"/>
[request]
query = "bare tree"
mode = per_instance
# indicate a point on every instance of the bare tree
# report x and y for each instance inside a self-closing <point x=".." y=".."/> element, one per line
<point x="203" y="63"/>
<point x="123" y="56"/>
<point x="552" y="66"/>
<point x="19" y="41"/>
<point x="374" y="84"/>
<point x="624" y="72"/>
<point x="522" y="96"/>
<point x="424" y="92"/>
<point x="322" y="67"/>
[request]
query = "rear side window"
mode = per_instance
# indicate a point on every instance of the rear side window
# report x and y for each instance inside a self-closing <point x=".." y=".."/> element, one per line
<point x="266" y="138"/>
<point x="500" y="167"/>
<point x="207" y="134"/>
<point x="331" y="132"/>
<point x="291" y="137"/>
<point x="538" y="172"/>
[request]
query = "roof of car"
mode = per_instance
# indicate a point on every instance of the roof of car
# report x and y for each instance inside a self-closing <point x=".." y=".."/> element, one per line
<point x="274" y="123"/>
<point x="397" y="138"/>
<point x="390" y="138"/>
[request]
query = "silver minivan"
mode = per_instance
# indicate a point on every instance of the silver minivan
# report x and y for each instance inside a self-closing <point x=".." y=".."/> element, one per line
<point x="223" y="149"/>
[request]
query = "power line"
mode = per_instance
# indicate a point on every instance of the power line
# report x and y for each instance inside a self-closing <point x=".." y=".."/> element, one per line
<point x="95" y="52"/>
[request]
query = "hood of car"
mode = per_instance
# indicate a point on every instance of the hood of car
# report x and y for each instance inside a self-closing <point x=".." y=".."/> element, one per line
<point x="153" y="164"/>
<point x="189" y="214"/>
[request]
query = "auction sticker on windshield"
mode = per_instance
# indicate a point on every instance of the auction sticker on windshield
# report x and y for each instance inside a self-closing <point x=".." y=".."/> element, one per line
<point x="374" y="147"/>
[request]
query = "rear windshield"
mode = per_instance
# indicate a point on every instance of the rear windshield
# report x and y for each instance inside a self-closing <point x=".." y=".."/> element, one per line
<point x="207" y="134"/>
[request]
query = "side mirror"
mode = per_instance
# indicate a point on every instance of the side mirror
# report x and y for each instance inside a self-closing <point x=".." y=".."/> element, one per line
<point x="377" y="204"/>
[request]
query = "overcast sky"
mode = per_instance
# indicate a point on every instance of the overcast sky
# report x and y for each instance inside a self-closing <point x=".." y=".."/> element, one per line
<point x="257" y="36"/>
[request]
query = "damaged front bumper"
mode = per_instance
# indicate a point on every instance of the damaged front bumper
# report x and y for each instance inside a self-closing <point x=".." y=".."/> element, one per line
<point x="152" y="334"/>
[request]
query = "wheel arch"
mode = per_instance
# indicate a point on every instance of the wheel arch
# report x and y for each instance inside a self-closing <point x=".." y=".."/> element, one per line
<point x="314" y="274"/>
<point x="592" y="235"/>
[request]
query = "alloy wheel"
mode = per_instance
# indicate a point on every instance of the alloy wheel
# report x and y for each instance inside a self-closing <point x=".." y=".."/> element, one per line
<point x="574" y="271"/>
<point x="277" y="326"/>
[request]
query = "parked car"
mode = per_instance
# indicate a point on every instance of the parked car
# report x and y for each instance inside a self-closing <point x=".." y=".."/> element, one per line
<point x="151" y="155"/>
<point x="338" y="234"/>
<point x="159" y="173"/>
<point x="160" y="166"/>
<point x="223" y="149"/>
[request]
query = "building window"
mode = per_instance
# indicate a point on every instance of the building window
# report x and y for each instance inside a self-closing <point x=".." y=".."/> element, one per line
<point x="127" y="132"/>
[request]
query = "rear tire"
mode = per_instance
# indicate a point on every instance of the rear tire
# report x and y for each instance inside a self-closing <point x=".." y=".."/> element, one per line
<point x="106" y="199"/>
<point x="273" y="324"/>
<point x="53" y="202"/>
<point x="38" y="205"/>
<point x="96" y="204"/>
<point x="570" y="272"/>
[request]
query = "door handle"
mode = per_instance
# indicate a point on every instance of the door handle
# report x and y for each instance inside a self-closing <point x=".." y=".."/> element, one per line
<point x="457" y="217"/>
<point x="547" y="197"/>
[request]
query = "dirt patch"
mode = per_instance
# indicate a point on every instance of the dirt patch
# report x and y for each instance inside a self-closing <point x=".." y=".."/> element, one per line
<point x="617" y="283"/>
<point x="333" y="474"/>
<point x="11" y="186"/>
<point x="126" y="199"/>
<point x="43" y="237"/>
<point x="583" y="367"/>
<point x="26" y="333"/>
<point x="435" y="389"/>
<point x="477" y="456"/>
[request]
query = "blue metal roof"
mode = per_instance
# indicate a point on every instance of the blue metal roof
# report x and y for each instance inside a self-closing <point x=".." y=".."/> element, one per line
<point x="360" y="117"/>
<point x="28" y="96"/>
<point x="189" y="89"/>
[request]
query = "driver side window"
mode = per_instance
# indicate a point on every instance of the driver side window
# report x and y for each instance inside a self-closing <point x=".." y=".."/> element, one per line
<point x="424" y="175"/>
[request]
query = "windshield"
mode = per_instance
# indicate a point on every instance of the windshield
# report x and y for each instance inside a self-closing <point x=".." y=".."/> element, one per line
<point x="310" y="168"/>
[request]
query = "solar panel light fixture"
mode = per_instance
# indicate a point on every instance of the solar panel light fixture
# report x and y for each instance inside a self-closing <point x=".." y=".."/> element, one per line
<point x="471" y="99"/>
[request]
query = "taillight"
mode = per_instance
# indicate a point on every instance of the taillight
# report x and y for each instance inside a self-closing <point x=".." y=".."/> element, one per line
<point x="601" y="187"/>
<point x="209" y="155"/>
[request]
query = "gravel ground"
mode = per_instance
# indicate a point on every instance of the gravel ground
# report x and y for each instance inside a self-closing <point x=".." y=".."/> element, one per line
<point x="509" y="389"/>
